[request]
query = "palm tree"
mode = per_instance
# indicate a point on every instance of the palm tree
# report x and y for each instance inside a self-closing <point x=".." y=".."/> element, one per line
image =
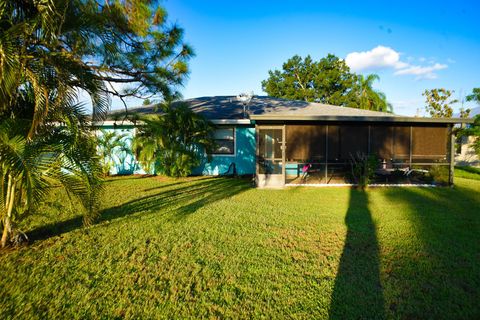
<point x="170" y="143"/>
<point x="61" y="156"/>
<point x="369" y="98"/>
<point x="24" y="171"/>
<point x="145" y="148"/>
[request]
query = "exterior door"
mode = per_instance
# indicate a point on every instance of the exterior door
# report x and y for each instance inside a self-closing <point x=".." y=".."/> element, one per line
<point x="270" y="156"/>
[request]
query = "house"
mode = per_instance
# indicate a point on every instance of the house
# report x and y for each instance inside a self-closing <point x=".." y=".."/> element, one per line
<point x="274" y="139"/>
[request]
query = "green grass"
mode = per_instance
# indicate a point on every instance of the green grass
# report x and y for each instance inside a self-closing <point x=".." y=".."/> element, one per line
<point x="467" y="172"/>
<point x="214" y="247"/>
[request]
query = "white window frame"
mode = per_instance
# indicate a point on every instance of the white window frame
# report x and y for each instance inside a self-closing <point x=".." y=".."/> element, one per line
<point x="234" y="154"/>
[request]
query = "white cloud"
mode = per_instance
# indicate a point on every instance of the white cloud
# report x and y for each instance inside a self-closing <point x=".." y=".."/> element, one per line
<point x="382" y="57"/>
<point x="422" y="72"/>
<point x="378" y="58"/>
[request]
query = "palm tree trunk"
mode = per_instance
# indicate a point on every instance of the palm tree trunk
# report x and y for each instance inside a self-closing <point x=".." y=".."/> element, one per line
<point x="6" y="231"/>
<point x="7" y="221"/>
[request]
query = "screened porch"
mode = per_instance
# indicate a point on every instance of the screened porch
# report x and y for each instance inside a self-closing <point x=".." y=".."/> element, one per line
<point x="296" y="154"/>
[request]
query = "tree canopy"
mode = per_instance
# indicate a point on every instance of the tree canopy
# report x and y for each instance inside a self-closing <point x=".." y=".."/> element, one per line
<point x="474" y="96"/>
<point x="438" y="103"/>
<point x="328" y="80"/>
<point x="60" y="46"/>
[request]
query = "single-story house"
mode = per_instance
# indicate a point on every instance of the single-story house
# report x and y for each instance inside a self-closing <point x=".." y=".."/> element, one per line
<point x="286" y="143"/>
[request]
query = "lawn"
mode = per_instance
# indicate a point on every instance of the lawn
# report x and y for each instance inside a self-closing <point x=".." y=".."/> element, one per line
<point x="467" y="172"/>
<point x="215" y="247"/>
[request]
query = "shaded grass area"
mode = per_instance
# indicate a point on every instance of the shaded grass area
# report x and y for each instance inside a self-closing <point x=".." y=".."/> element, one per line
<point x="185" y="196"/>
<point x="357" y="284"/>
<point x="214" y="247"/>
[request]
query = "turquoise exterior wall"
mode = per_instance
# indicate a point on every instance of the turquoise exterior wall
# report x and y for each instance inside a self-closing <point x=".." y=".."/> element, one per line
<point x="244" y="157"/>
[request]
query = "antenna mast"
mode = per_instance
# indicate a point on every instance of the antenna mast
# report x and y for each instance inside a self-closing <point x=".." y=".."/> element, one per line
<point x="245" y="99"/>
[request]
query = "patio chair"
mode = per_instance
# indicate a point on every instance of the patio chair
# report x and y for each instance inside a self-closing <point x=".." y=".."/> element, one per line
<point x="305" y="171"/>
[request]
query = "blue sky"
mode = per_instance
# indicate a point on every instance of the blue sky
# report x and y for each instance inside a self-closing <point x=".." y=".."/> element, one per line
<point x="413" y="46"/>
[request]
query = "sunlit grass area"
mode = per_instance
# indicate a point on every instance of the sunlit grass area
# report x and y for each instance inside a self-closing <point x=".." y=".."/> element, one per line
<point x="215" y="247"/>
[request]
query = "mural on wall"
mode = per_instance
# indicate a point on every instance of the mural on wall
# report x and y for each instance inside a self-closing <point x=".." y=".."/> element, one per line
<point x="114" y="147"/>
<point x="126" y="163"/>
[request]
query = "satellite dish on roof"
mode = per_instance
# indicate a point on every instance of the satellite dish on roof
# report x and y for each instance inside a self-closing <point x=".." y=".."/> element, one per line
<point x="245" y="98"/>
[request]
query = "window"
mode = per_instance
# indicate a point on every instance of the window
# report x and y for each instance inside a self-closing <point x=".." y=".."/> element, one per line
<point x="225" y="141"/>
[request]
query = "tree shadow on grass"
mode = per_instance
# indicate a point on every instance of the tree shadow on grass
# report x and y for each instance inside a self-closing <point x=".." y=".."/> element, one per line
<point x="180" y="199"/>
<point x="439" y="278"/>
<point x="358" y="293"/>
<point x="115" y="178"/>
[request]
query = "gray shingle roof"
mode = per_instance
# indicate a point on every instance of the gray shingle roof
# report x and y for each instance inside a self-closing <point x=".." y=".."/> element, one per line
<point x="228" y="107"/>
<point x="269" y="108"/>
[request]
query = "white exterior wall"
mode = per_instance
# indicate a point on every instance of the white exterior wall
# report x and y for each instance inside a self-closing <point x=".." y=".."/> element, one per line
<point x="467" y="156"/>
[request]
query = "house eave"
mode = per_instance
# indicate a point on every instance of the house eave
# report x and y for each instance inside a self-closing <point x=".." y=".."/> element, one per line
<point x="396" y="119"/>
<point x="109" y="123"/>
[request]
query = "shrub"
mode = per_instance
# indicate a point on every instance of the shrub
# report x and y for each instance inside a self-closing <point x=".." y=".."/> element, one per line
<point x="363" y="168"/>
<point x="439" y="174"/>
<point x="170" y="143"/>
